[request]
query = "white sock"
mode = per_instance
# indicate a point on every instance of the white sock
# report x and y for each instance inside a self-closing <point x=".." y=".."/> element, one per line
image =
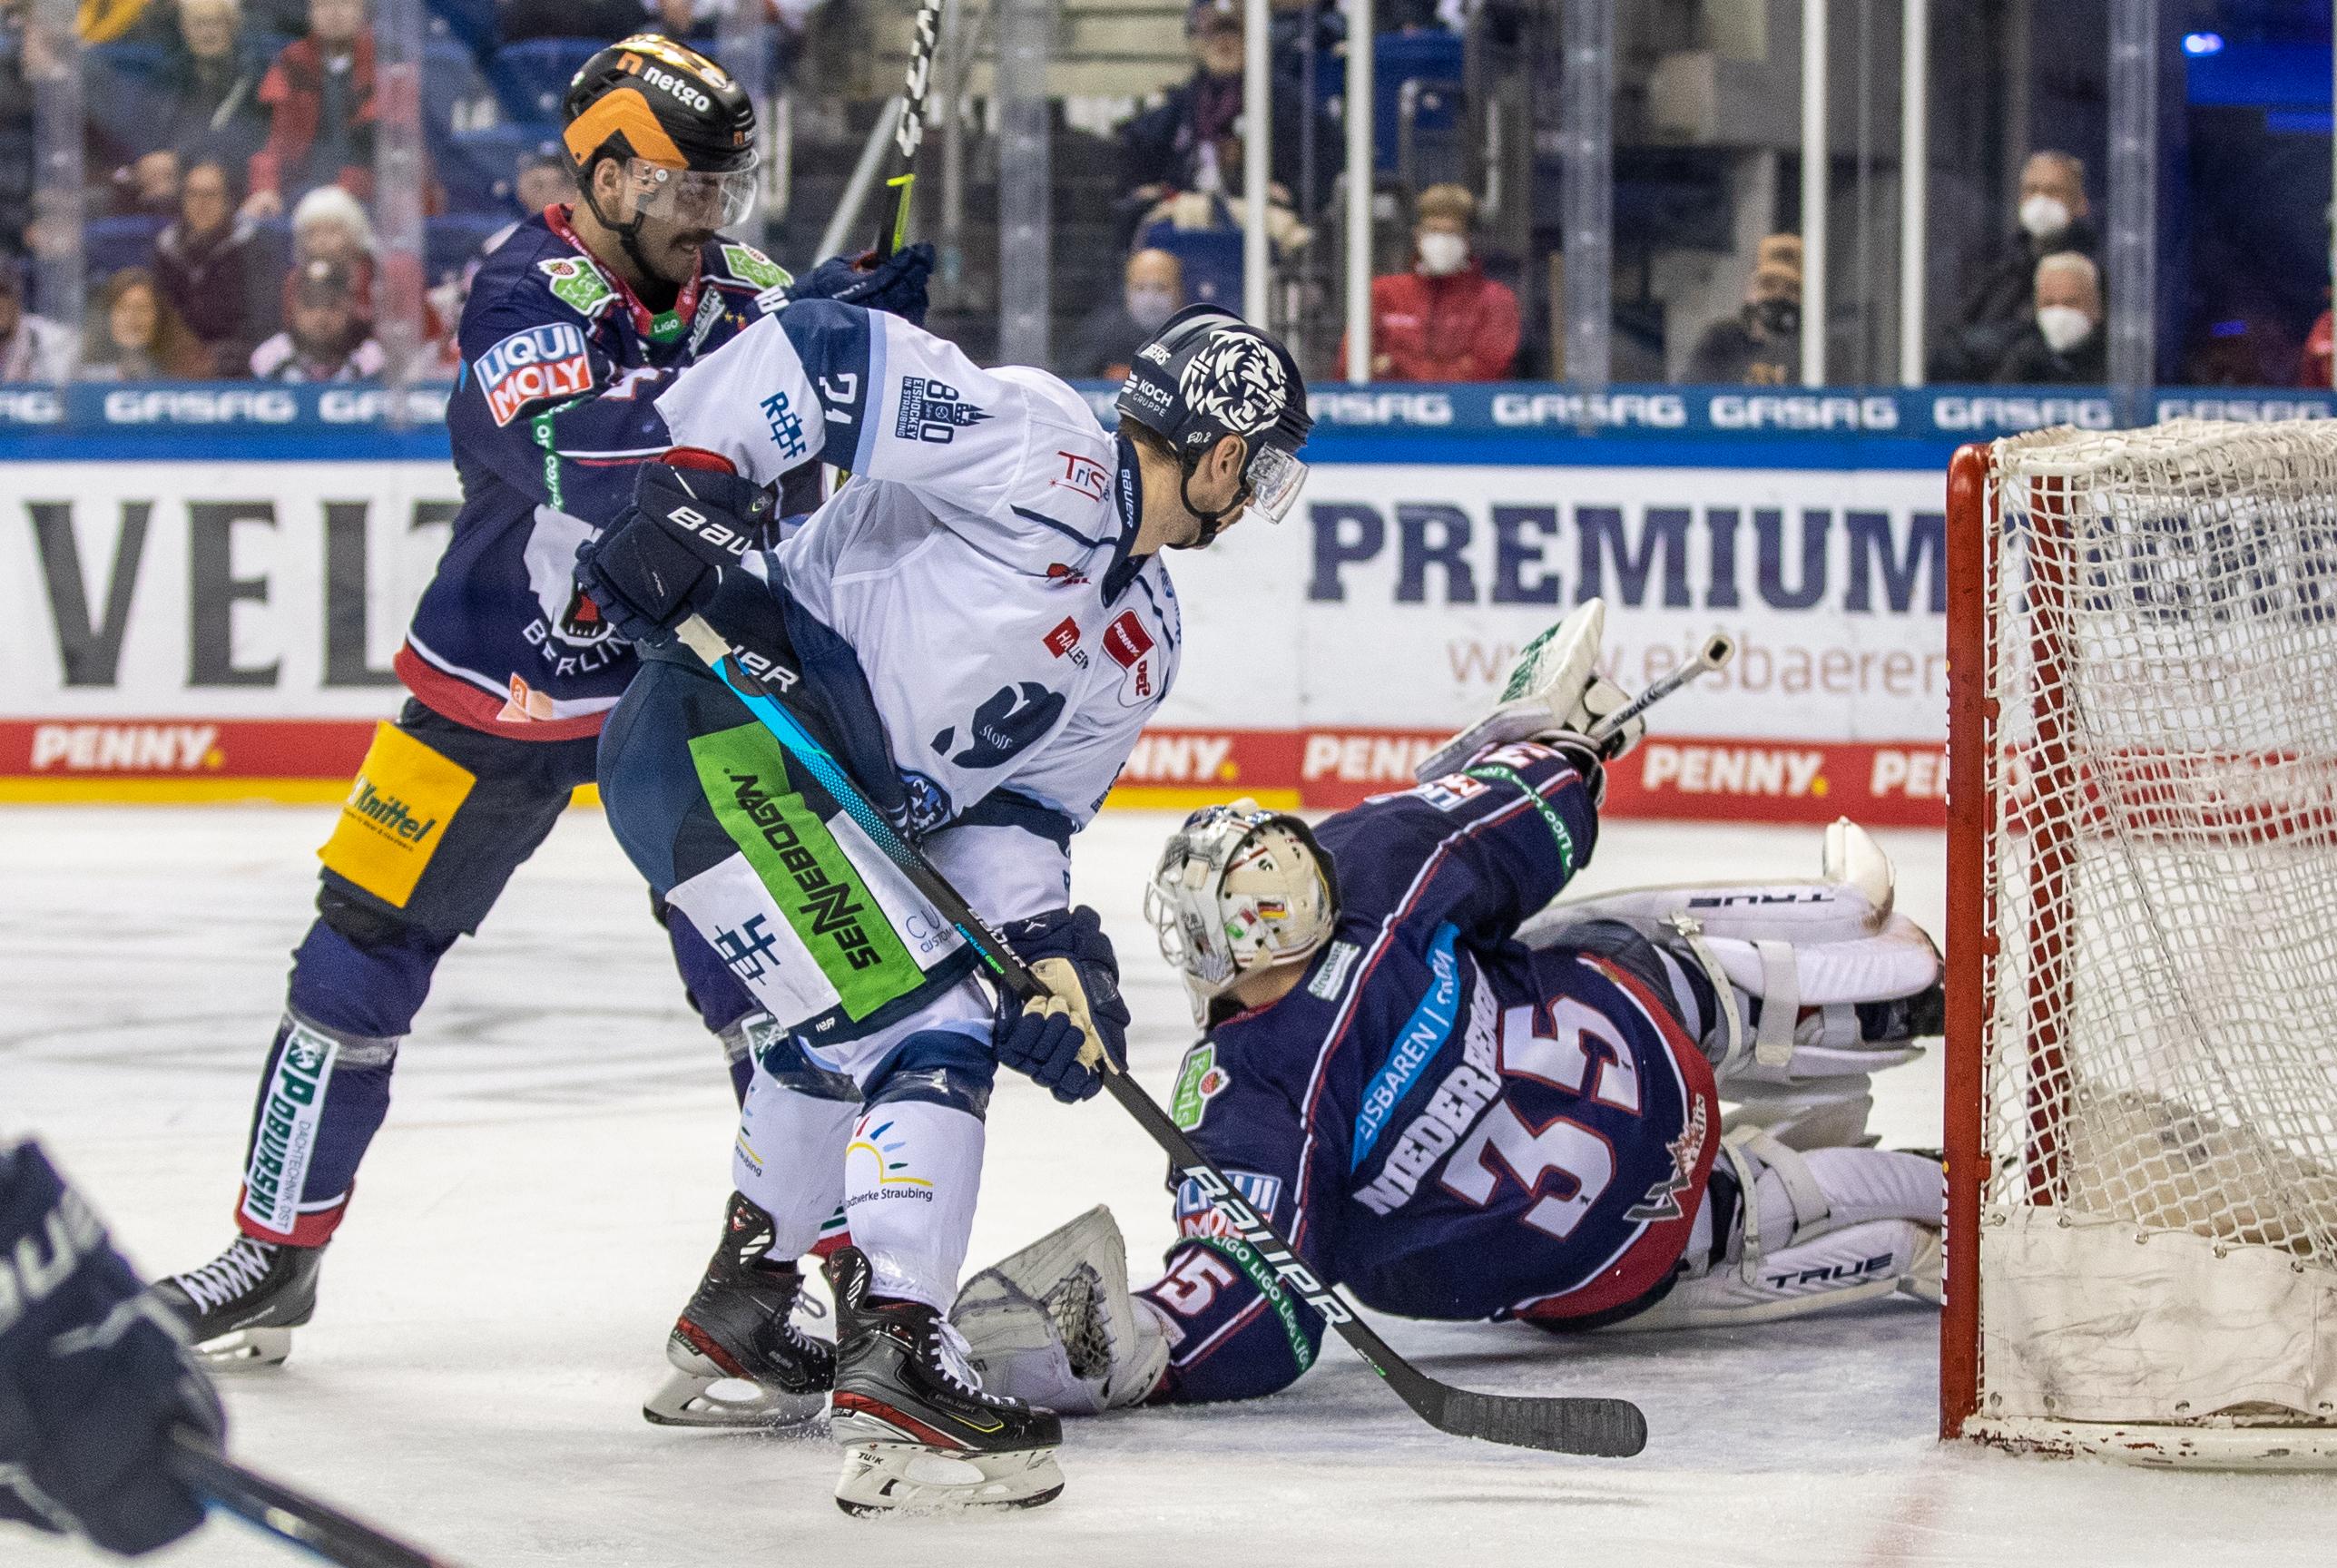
<point x="912" y="1172"/>
<point x="790" y="1160"/>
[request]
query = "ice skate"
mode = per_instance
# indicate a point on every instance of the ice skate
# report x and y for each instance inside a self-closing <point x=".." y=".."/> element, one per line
<point x="239" y="1308"/>
<point x="919" y="1431"/>
<point x="739" y="1359"/>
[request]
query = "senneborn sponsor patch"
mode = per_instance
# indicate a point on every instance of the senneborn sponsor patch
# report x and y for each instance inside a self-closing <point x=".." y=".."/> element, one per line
<point x="290" y="1108"/>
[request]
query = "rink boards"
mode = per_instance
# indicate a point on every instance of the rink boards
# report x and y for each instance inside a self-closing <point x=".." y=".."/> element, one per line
<point x="213" y="589"/>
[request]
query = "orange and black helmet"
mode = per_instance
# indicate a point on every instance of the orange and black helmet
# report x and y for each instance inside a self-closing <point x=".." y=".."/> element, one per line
<point x="650" y="98"/>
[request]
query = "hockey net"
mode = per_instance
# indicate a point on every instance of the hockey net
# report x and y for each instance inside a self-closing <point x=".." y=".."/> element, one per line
<point x="2143" y="944"/>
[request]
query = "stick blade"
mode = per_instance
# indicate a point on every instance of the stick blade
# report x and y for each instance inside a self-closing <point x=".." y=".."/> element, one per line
<point x="1600" y="1428"/>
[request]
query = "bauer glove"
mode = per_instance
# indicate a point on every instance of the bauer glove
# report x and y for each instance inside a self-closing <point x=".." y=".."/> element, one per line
<point x="660" y="561"/>
<point x="93" y="1379"/>
<point x="895" y="285"/>
<point x="1062" y="1040"/>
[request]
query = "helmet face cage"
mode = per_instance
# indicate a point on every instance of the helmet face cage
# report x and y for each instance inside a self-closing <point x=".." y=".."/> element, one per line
<point x="1237" y="889"/>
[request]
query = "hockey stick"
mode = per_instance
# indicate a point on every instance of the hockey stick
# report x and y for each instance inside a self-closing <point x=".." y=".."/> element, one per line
<point x="1718" y="649"/>
<point x="1612" y="1428"/>
<point x="925" y="33"/>
<point x="289" y="1514"/>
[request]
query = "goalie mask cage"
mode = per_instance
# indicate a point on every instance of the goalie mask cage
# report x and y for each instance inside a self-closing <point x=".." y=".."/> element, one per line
<point x="2142" y="925"/>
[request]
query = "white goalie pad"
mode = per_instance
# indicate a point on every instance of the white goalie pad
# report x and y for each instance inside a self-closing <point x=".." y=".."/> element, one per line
<point x="1056" y="1325"/>
<point x="1555" y="685"/>
<point x="1813" y="1233"/>
<point x="1810" y="951"/>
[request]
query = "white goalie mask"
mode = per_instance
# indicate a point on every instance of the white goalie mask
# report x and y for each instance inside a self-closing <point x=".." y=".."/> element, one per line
<point x="1237" y="889"/>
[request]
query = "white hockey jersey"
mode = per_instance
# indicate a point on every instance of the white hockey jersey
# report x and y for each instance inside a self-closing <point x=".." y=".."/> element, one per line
<point x="977" y="561"/>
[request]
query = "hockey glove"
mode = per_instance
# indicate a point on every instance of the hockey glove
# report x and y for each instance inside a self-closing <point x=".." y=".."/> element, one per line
<point x="92" y="1376"/>
<point x="895" y="285"/>
<point x="1063" y="1039"/>
<point x="660" y="561"/>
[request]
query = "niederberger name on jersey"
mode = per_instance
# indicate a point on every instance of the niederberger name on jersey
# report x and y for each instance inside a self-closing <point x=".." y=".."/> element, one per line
<point x="1474" y="1083"/>
<point x="546" y="361"/>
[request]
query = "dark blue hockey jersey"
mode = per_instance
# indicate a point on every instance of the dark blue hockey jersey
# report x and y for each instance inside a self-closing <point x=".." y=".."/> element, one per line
<point x="1447" y="1123"/>
<point x="554" y="410"/>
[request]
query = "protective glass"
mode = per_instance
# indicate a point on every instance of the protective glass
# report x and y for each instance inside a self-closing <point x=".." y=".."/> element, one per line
<point x="691" y="198"/>
<point x="1275" y="480"/>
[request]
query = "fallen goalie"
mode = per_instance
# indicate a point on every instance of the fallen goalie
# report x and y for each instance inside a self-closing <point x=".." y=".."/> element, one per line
<point x="1462" y="1102"/>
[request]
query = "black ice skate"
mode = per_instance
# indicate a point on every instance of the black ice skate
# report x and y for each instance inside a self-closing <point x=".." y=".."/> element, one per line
<point x="919" y="1431"/>
<point x="739" y="1359"/>
<point x="240" y="1308"/>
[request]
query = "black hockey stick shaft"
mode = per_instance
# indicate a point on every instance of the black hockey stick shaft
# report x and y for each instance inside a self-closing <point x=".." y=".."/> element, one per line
<point x="1612" y="1428"/>
<point x="925" y="37"/>
<point x="288" y="1513"/>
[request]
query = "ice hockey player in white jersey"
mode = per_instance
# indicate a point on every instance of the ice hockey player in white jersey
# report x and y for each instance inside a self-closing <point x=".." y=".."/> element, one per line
<point x="1458" y="1119"/>
<point x="979" y="625"/>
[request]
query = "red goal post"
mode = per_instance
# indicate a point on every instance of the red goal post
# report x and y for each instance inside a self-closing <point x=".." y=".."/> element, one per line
<point x="2141" y="1116"/>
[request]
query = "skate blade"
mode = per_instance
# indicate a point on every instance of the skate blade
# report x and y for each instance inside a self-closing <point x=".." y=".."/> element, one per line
<point x="887" y="1478"/>
<point x="690" y="1399"/>
<point x="245" y="1351"/>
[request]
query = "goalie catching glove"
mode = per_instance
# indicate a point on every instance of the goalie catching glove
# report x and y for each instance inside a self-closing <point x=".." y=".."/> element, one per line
<point x="1063" y="1039"/>
<point x="660" y="561"/>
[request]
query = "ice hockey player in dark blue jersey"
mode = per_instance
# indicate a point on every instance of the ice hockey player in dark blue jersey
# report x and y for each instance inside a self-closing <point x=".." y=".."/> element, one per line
<point x="576" y="324"/>
<point x="1458" y="1115"/>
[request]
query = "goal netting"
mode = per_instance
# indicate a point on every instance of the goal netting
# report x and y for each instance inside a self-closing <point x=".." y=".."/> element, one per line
<point x="2143" y="942"/>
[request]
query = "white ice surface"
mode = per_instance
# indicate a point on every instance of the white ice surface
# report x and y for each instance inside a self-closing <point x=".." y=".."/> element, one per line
<point x="549" y="1185"/>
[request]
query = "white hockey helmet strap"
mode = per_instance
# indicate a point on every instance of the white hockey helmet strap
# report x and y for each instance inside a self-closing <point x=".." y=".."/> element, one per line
<point x="1239" y="889"/>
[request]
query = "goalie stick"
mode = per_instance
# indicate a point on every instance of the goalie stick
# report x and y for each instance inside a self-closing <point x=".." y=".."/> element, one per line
<point x="1608" y="1428"/>
<point x="288" y="1513"/>
<point x="909" y="133"/>
<point x="1718" y="649"/>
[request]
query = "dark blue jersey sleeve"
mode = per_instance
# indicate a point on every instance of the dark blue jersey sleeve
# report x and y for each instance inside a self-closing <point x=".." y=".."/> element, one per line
<point x="1237" y="1330"/>
<point x="1482" y="849"/>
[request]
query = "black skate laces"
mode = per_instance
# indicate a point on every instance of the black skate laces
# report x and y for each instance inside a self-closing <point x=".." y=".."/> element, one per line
<point x="229" y="1275"/>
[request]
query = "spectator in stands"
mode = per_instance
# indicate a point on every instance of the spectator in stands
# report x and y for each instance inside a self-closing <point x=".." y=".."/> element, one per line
<point x="209" y="85"/>
<point x="2063" y="342"/>
<point x="1190" y="141"/>
<point x="148" y="186"/>
<point x="329" y="225"/>
<point x="1103" y="346"/>
<point x="325" y="336"/>
<point x="31" y="348"/>
<point x="320" y="95"/>
<point x="1444" y="321"/>
<point x="212" y="267"/>
<point x="2314" y="366"/>
<point x="1761" y="345"/>
<point x="2054" y="217"/>
<point x="133" y="336"/>
<point x="542" y="179"/>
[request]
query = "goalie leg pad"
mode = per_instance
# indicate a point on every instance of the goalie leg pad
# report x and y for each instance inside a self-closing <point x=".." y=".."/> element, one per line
<point x="1054" y="1325"/>
<point x="1786" y="1233"/>
<point x="1797" y="990"/>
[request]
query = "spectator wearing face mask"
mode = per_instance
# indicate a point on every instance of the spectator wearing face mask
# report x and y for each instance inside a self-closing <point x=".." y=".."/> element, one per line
<point x="1151" y="288"/>
<point x="1761" y="345"/>
<point x="2063" y="342"/>
<point x="2054" y="217"/>
<point x="1444" y="321"/>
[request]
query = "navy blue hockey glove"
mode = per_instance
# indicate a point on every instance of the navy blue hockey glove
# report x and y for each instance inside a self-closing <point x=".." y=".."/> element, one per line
<point x="895" y="285"/>
<point x="1062" y="1041"/>
<point x="660" y="561"/>
<point x="93" y="1376"/>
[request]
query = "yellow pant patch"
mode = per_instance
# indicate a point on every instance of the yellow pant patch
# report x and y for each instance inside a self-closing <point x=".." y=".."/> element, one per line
<point x="396" y="814"/>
